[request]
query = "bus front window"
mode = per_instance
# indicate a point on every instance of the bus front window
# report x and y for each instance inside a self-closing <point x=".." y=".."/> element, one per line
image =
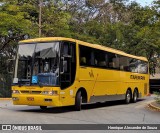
<point x="37" y="64"/>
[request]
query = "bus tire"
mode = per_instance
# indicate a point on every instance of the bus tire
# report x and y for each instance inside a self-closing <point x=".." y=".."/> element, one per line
<point x="128" y="97"/>
<point x="43" y="107"/>
<point x="135" y="96"/>
<point x="78" y="101"/>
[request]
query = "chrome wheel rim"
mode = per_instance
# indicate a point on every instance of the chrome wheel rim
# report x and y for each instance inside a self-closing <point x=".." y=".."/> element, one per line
<point x="128" y="97"/>
<point x="135" y="97"/>
<point x="81" y="100"/>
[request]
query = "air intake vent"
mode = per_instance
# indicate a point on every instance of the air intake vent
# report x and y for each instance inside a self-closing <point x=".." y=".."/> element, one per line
<point x="31" y="92"/>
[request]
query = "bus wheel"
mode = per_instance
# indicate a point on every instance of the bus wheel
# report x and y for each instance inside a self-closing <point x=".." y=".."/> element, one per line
<point x="128" y="97"/>
<point x="78" y="101"/>
<point x="135" y="95"/>
<point x="43" y="107"/>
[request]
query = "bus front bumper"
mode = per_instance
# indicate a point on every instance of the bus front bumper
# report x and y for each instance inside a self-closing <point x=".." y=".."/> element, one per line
<point x="36" y="100"/>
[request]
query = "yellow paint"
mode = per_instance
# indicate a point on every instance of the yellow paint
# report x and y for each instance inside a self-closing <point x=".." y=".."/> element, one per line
<point x="96" y="81"/>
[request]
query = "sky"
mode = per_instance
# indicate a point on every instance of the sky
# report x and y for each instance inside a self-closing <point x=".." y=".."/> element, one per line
<point x="143" y="2"/>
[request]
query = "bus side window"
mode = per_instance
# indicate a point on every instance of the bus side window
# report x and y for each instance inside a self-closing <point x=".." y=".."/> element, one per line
<point x="132" y="65"/>
<point x="121" y="67"/>
<point x="124" y="63"/>
<point x="116" y="63"/>
<point x="112" y="65"/>
<point x="102" y="64"/>
<point x="65" y="50"/>
<point x="92" y="60"/>
<point x="86" y="57"/>
<point x="113" y="61"/>
<point x="101" y="59"/>
<point x="83" y="61"/>
<point x="106" y="60"/>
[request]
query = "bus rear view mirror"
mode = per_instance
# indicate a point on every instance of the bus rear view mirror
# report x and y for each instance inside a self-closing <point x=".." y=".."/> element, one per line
<point x="63" y="65"/>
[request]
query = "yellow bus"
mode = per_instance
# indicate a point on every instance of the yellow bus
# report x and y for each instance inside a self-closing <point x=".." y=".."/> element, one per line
<point x="58" y="71"/>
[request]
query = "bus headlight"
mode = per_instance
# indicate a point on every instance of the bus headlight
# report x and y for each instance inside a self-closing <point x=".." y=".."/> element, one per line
<point x="50" y="92"/>
<point x="15" y="91"/>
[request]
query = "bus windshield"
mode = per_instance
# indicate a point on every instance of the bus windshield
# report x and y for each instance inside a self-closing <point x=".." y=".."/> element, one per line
<point x="36" y="62"/>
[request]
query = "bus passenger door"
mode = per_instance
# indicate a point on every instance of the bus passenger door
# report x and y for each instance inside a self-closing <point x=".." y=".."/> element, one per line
<point x="67" y="70"/>
<point x="86" y="70"/>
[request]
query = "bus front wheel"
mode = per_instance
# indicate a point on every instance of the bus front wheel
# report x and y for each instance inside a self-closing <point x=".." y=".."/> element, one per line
<point x="78" y="101"/>
<point x="128" y="97"/>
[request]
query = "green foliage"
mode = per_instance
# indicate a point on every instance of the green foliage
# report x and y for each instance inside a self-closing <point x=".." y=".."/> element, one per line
<point x="54" y="22"/>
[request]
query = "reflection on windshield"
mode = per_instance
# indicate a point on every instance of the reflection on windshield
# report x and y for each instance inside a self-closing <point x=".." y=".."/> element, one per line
<point x="46" y="58"/>
<point x="25" y="54"/>
<point x="37" y="61"/>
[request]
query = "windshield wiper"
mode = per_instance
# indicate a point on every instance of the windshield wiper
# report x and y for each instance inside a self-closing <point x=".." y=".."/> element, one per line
<point x="40" y="85"/>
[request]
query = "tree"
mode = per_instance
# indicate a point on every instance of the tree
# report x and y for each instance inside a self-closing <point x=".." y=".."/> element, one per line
<point x="14" y="27"/>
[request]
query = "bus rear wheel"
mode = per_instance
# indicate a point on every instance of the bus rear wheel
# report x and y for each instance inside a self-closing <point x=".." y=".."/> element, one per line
<point x="78" y="101"/>
<point x="43" y="107"/>
<point x="135" y="95"/>
<point x="128" y="97"/>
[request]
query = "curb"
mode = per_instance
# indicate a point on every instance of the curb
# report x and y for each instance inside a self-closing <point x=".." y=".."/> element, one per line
<point x="5" y="98"/>
<point x="153" y="107"/>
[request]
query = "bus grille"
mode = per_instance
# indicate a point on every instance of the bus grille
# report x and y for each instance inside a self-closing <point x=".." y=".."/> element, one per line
<point x="31" y="92"/>
<point x="145" y="88"/>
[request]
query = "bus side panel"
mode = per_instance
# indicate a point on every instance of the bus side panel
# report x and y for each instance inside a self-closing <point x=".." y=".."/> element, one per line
<point x="107" y="82"/>
<point x="67" y="96"/>
<point x="86" y="79"/>
<point x="134" y="80"/>
<point x="123" y="85"/>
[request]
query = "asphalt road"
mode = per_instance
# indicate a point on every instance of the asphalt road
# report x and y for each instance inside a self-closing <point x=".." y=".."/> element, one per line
<point x="99" y="113"/>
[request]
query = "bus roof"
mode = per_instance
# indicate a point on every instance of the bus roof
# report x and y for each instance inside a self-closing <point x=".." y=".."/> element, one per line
<point x="96" y="46"/>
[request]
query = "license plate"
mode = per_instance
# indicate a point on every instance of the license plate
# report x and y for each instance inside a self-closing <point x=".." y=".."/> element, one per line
<point x="30" y="98"/>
